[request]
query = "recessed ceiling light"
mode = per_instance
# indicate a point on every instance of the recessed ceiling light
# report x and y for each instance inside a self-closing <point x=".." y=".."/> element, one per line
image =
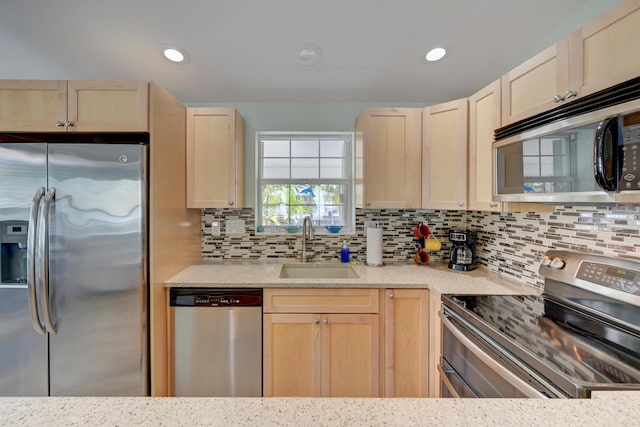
<point x="309" y="55"/>
<point x="435" y="54"/>
<point x="175" y="54"/>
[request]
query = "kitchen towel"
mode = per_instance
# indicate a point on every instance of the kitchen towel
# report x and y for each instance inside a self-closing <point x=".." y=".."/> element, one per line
<point x="374" y="247"/>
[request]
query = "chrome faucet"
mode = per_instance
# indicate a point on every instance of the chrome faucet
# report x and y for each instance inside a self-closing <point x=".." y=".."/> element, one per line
<point x="307" y="236"/>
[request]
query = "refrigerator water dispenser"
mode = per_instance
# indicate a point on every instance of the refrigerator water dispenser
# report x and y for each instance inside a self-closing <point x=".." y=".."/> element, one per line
<point x="13" y="251"/>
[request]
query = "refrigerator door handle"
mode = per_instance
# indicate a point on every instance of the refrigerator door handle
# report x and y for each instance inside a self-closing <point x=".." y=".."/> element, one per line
<point x="31" y="261"/>
<point x="43" y="251"/>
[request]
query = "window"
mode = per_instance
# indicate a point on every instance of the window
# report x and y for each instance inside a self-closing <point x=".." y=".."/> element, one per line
<point x="302" y="174"/>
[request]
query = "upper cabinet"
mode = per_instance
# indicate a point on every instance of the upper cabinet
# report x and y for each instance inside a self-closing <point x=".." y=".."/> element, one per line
<point x="74" y="106"/>
<point x="595" y="57"/>
<point x="444" y="155"/>
<point x="215" y="158"/>
<point x="537" y="85"/>
<point x="388" y="155"/>
<point x="484" y="117"/>
<point x="603" y="53"/>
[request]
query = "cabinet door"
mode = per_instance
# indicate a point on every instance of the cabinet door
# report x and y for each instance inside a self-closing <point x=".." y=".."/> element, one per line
<point x="108" y="106"/>
<point x="388" y="147"/>
<point x="406" y="343"/>
<point x="444" y="180"/>
<point x="484" y="118"/>
<point x="215" y="158"/>
<point x="33" y="105"/>
<point x="604" y="51"/>
<point x="532" y="87"/>
<point x="291" y="358"/>
<point x="435" y="343"/>
<point x="350" y="355"/>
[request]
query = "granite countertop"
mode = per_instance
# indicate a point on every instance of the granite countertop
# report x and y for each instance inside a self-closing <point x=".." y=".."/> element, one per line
<point x="436" y="277"/>
<point x="603" y="409"/>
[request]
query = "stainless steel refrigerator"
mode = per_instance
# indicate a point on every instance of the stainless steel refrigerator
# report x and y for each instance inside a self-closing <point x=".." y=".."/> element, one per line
<point x="73" y="288"/>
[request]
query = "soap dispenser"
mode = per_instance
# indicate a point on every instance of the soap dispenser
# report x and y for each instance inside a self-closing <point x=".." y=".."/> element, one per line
<point x="344" y="252"/>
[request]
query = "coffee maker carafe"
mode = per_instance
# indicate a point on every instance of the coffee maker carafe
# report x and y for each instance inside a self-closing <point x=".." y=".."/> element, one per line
<point x="462" y="254"/>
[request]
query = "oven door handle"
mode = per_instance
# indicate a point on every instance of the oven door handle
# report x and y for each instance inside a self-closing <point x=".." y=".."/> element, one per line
<point x="496" y="367"/>
<point x="444" y="377"/>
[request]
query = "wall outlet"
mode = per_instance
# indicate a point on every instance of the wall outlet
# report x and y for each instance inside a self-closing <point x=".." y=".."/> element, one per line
<point x="215" y="229"/>
<point x="235" y="226"/>
<point x="371" y="224"/>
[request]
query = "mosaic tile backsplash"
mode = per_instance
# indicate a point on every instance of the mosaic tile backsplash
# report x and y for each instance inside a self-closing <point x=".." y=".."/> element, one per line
<point x="508" y="243"/>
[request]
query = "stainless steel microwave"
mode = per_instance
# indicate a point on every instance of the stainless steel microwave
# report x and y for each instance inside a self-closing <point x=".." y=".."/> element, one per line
<point x="587" y="158"/>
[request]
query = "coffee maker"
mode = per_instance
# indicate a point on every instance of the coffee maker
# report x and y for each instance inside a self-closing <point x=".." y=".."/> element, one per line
<point x="13" y="251"/>
<point x="462" y="254"/>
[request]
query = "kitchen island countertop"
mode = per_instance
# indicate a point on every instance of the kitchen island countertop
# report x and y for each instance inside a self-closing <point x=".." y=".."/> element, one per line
<point x="435" y="277"/>
<point x="603" y="409"/>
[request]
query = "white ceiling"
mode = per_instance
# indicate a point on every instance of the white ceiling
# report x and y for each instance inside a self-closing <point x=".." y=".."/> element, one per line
<point x="247" y="50"/>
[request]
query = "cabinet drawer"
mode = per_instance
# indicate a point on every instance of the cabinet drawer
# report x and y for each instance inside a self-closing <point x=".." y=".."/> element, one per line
<point x="320" y="300"/>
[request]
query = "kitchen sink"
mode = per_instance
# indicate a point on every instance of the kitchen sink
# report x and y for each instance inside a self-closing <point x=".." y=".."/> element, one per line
<point x="317" y="271"/>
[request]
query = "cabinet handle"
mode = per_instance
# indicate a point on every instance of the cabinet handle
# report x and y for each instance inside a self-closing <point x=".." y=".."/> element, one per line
<point x="325" y="321"/>
<point x="317" y="321"/>
<point x="59" y="124"/>
<point x="230" y="203"/>
<point x="461" y="204"/>
<point x="493" y="204"/>
<point x="570" y="94"/>
<point x="69" y="124"/>
<point x="391" y="296"/>
<point x="368" y="204"/>
<point x="558" y="98"/>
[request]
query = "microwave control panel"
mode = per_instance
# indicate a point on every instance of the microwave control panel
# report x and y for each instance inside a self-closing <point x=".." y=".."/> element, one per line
<point x="630" y="126"/>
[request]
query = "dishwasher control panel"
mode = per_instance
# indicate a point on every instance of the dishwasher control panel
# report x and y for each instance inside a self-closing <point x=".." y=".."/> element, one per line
<point x="180" y="297"/>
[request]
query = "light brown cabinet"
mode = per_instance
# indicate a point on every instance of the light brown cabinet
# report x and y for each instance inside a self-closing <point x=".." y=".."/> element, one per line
<point x="215" y="158"/>
<point x="74" y="106"/>
<point x="537" y="85"/>
<point x="484" y="118"/>
<point x="388" y="155"/>
<point x="313" y="348"/>
<point x="406" y="345"/>
<point x="444" y="155"/>
<point x="604" y="52"/>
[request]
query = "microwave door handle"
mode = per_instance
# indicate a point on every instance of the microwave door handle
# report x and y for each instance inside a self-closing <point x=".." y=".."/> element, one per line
<point x="605" y="143"/>
<point x="496" y="367"/>
<point x="43" y="249"/>
<point x="31" y="261"/>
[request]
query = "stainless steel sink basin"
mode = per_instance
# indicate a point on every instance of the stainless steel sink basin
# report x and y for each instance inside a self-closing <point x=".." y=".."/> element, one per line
<point x="317" y="271"/>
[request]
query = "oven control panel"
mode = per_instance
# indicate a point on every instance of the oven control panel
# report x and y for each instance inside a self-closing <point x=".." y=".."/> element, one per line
<point x="621" y="279"/>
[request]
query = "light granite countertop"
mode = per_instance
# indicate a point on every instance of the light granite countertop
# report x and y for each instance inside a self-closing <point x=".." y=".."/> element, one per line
<point x="436" y="277"/>
<point x="603" y="409"/>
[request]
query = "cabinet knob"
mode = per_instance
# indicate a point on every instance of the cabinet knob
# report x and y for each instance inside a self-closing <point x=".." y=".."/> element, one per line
<point x="493" y="204"/>
<point x="317" y="321"/>
<point x="391" y="296"/>
<point x="59" y="124"/>
<point x="558" y="98"/>
<point x="325" y="321"/>
<point x="570" y="94"/>
<point x="69" y="124"/>
<point x="461" y="204"/>
<point x="368" y="204"/>
<point x="231" y="203"/>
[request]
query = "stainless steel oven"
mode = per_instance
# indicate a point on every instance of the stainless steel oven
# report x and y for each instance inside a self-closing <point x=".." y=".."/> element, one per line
<point x="582" y="334"/>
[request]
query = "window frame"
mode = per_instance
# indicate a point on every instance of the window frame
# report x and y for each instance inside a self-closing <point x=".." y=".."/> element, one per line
<point x="348" y="205"/>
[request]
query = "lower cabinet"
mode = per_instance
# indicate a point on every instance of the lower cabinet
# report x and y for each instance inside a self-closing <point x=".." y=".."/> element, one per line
<point x="313" y="348"/>
<point x="406" y="345"/>
<point x="346" y="342"/>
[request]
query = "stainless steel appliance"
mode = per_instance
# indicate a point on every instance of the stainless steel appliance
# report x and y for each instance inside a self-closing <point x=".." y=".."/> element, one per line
<point x="462" y="254"/>
<point x="73" y="295"/>
<point x="216" y="342"/>
<point x="583" y="152"/>
<point x="582" y="334"/>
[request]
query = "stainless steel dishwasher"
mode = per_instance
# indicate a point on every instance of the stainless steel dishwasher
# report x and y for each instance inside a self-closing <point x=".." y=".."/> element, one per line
<point x="216" y="342"/>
